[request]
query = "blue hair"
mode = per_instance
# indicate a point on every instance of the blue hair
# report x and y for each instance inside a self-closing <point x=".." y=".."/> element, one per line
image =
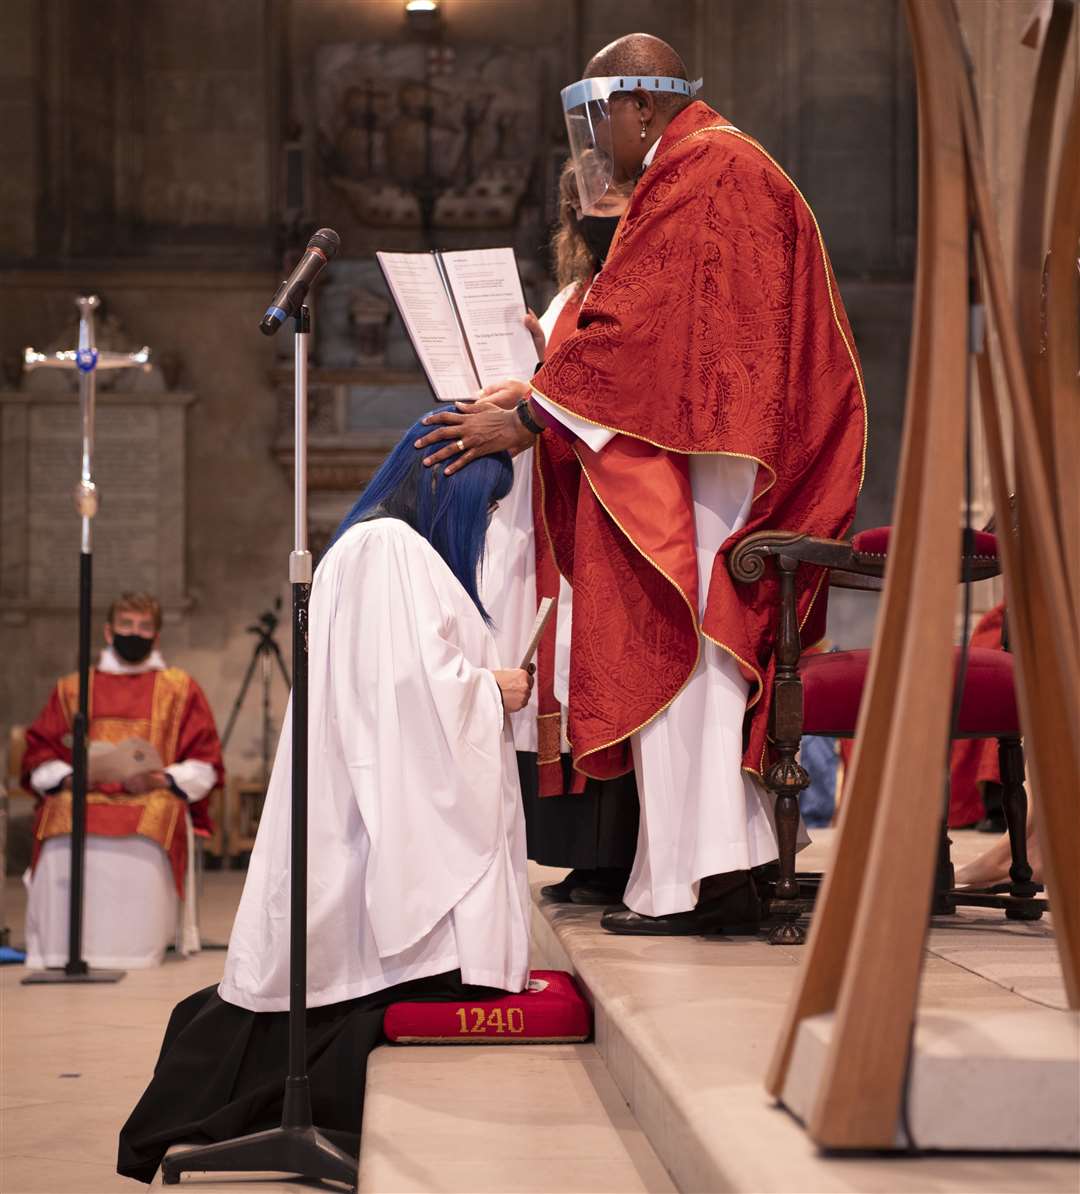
<point x="450" y="512"/>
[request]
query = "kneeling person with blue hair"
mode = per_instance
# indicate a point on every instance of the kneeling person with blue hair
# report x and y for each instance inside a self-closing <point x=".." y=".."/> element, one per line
<point x="417" y="884"/>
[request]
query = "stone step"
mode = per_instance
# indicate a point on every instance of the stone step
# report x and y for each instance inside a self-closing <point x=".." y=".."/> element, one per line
<point x="686" y="1028"/>
<point x="500" y="1118"/>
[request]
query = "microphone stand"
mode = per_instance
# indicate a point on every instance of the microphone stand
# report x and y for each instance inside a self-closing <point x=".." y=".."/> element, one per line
<point x="86" y="501"/>
<point x="297" y="1146"/>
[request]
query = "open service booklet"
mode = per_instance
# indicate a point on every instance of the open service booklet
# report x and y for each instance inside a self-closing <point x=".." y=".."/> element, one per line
<point x="463" y="312"/>
<point x="117" y="762"/>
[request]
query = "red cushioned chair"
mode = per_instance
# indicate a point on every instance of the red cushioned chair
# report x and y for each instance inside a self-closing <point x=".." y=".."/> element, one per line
<point x="820" y="694"/>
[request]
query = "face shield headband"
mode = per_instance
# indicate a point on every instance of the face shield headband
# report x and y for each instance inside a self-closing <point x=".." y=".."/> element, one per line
<point x="586" y="107"/>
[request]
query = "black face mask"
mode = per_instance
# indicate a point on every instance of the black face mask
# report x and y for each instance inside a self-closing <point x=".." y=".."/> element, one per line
<point x="598" y="233"/>
<point x="132" y="648"/>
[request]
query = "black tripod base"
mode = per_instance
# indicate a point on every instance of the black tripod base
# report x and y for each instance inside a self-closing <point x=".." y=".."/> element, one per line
<point x="87" y="975"/>
<point x="304" y="1151"/>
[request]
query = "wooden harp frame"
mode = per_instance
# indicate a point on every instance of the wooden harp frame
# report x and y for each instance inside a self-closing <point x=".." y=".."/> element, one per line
<point x="866" y="945"/>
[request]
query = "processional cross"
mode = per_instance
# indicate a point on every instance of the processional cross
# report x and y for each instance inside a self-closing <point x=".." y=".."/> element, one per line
<point x="87" y="359"/>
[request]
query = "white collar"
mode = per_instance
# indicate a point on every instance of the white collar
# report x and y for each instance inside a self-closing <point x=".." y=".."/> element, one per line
<point x="647" y="160"/>
<point x="111" y="663"/>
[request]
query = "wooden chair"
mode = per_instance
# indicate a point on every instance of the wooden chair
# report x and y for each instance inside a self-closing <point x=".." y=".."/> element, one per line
<point x="15" y="752"/>
<point x="820" y="694"/>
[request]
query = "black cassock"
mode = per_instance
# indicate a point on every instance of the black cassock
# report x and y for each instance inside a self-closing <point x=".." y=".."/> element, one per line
<point x="595" y="830"/>
<point x="221" y="1071"/>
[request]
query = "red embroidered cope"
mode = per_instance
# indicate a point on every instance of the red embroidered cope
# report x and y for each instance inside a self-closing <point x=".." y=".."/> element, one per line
<point x="715" y="327"/>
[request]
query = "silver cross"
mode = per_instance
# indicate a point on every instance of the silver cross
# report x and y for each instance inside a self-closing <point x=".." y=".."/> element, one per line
<point x="87" y="359"/>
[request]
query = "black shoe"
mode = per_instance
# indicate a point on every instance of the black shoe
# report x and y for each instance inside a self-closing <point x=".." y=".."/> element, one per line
<point x="633" y="924"/>
<point x="597" y="893"/>
<point x="730" y="906"/>
<point x="559" y="893"/>
<point x="992" y="823"/>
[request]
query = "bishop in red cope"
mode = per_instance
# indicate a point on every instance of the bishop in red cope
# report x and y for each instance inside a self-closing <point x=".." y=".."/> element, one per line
<point x="711" y="389"/>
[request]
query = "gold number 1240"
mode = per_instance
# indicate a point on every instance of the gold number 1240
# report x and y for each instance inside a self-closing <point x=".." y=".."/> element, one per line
<point x="496" y="1021"/>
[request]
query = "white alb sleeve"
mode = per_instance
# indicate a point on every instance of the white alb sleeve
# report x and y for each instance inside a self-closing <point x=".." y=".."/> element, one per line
<point x="589" y="433"/>
<point x="48" y="775"/>
<point x="193" y="777"/>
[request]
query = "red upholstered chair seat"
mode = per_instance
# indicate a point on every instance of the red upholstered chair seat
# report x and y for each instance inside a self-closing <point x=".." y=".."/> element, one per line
<point x="551" y="1009"/>
<point x="833" y="685"/>
<point x="875" y="542"/>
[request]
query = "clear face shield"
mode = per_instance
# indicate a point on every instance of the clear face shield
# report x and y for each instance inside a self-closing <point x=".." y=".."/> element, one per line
<point x="587" y="110"/>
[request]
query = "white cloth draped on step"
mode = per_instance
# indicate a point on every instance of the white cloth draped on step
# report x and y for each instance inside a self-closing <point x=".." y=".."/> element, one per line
<point x="416" y="833"/>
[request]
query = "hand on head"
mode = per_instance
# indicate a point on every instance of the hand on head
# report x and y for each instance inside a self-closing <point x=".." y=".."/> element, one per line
<point x="473" y="429"/>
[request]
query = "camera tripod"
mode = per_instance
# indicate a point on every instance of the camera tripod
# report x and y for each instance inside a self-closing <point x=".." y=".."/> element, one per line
<point x="263" y="656"/>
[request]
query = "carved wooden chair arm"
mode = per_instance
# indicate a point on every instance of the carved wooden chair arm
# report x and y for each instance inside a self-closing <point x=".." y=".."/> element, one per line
<point x="848" y="568"/>
<point x="747" y="562"/>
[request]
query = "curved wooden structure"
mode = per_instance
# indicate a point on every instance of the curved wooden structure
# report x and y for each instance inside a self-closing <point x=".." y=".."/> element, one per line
<point x="1044" y="627"/>
<point x="867" y="940"/>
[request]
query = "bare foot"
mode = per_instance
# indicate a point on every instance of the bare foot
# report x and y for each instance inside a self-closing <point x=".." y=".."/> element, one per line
<point x="992" y="865"/>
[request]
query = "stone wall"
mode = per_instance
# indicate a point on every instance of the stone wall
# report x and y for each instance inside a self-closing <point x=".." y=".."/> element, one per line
<point x="239" y="500"/>
<point x="143" y="159"/>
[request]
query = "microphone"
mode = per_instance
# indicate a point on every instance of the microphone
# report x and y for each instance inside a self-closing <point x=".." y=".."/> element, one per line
<point x="292" y="292"/>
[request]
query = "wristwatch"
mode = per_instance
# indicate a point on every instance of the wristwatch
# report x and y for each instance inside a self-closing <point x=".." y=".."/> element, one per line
<point x="525" y="415"/>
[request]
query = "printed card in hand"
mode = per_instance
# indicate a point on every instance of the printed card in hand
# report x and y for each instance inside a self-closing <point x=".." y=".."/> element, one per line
<point x="115" y="763"/>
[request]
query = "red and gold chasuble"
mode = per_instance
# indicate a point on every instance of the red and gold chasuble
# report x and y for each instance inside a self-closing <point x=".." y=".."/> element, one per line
<point x="168" y="709"/>
<point x="716" y="328"/>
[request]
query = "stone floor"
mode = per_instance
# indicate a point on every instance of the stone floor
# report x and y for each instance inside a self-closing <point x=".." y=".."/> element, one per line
<point x="668" y="1097"/>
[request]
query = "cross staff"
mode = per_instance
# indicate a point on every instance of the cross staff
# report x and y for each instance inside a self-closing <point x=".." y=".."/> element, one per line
<point x="87" y="360"/>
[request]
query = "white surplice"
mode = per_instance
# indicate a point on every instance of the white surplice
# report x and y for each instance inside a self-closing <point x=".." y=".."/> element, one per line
<point x="508" y="585"/>
<point x="416" y="840"/>
<point x="508" y="578"/>
<point x="131" y="911"/>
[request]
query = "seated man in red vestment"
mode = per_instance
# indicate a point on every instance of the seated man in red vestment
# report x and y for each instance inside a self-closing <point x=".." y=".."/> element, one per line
<point x="139" y="856"/>
<point x="711" y="389"/>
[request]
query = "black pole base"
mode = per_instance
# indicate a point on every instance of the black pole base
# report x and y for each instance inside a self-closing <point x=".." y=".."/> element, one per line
<point x="303" y="1151"/>
<point x="68" y="974"/>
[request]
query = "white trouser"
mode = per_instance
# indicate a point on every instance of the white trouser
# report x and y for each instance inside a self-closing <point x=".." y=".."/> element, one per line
<point x="701" y="814"/>
<point x="130" y="905"/>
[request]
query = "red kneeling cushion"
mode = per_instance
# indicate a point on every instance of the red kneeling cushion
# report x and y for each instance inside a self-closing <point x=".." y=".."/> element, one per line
<point x="875" y="542"/>
<point x="550" y="1009"/>
<point x="833" y="684"/>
